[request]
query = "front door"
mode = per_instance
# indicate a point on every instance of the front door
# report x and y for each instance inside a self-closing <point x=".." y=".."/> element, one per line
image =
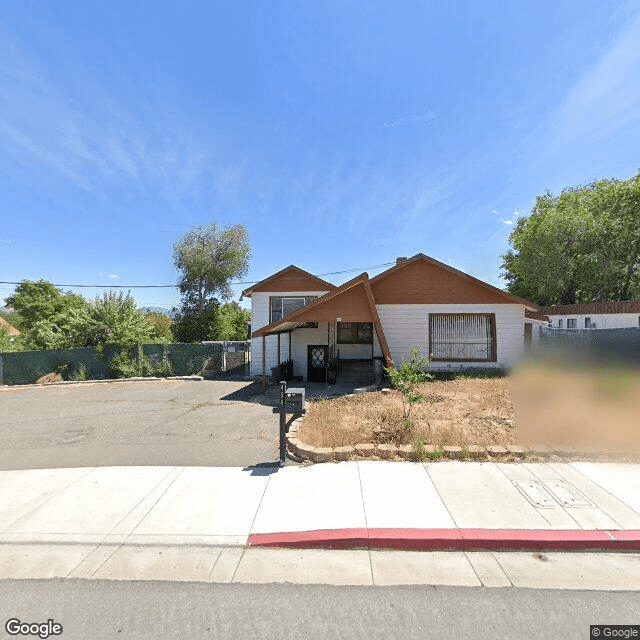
<point x="317" y="363"/>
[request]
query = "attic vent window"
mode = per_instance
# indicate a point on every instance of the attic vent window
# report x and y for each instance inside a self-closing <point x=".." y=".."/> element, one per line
<point x="462" y="337"/>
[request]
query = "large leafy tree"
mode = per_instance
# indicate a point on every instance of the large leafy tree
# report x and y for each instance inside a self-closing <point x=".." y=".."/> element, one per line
<point x="45" y="312"/>
<point x="208" y="259"/>
<point x="580" y="246"/>
<point x="111" y="319"/>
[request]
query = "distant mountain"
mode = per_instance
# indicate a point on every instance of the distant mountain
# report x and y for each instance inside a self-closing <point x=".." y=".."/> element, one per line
<point x="157" y="310"/>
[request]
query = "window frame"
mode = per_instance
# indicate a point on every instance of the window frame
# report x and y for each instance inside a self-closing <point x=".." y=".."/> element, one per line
<point x="574" y="323"/>
<point x="354" y="329"/>
<point x="307" y="300"/>
<point x="493" y="354"/>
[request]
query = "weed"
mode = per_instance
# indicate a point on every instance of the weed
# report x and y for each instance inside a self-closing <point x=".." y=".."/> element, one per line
<point x="437" y="453"/>
<point x="80" y="373"/>
<point x="420" y="450"/>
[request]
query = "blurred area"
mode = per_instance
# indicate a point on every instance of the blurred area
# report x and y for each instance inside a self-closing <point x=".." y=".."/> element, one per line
<point x="585" y="395"/>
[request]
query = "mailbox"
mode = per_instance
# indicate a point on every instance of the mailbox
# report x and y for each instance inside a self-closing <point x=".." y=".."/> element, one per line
<point x="295" y="400"/>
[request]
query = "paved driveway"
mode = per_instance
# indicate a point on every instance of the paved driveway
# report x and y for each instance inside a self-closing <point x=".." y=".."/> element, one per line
<point x="169" y="422"/>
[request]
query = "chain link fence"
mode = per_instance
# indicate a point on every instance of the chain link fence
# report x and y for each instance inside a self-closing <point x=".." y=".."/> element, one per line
<point x="208" y="358"/>
<point x="594" y="345"/>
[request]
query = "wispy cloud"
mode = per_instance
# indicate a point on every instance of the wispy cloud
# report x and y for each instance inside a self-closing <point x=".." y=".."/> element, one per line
<point x="606" y="100"/>
<point x="5" y="241"/>
<point x="113" y="276"/>
<point x="86" y="136"/>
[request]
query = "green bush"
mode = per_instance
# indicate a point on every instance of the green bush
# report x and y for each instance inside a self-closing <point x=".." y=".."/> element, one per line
<point x="122" y="365"/>
<point x="406" y="379"/>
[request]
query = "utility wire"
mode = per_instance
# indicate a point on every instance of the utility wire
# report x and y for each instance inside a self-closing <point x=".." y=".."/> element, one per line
<point x="173" y="286"/>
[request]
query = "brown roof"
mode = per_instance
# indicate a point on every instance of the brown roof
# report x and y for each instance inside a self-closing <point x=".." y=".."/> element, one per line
<point x="12" y="331"/>
<point x="290" y="278"/>
<point x="532" y="315"/>
<point x="423" y="280"/>
<point x="611" y="306"/>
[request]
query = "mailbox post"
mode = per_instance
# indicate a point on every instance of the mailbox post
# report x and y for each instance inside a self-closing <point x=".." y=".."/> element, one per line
<point x="291" y="401"/>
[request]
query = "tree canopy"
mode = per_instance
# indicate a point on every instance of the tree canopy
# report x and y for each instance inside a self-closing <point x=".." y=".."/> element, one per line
<point x="208" y="259"/>
<point x="580" y="246"/>
<point x="45" y="313"/>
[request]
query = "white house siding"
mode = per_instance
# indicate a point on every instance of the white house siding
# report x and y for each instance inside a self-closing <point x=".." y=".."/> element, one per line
<point x="260" y="318"/>
<point x="601" y="320"/>
<point x="407" y="325"/>
<point x="536" y="325"/>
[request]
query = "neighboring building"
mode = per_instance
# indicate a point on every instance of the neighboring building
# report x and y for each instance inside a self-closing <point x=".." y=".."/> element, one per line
<point x="533" y="321"/>
<point x="594" y="315"/>
<point x="419" y="302"/>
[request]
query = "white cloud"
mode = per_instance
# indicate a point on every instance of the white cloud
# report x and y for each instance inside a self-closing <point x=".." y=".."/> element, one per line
<point x="508" y="222"/>
<point x="4" y="241"/>
<point x="113" y="276"/>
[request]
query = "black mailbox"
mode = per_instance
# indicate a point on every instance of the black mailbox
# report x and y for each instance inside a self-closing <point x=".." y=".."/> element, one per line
<point x="294" y="400"/>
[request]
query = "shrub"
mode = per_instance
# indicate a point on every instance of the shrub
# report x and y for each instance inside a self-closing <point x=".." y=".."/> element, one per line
<point x="122" y="365"/>
<point x="406" y="379"/>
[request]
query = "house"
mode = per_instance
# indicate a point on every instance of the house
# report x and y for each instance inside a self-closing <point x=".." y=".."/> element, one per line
<point x="464" y="322"/>
<point x="533" y="322"/>
<point x="594" y="315"/>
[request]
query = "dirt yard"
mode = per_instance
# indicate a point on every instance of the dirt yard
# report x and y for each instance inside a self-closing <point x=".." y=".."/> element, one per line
<point x="456" y="412"/>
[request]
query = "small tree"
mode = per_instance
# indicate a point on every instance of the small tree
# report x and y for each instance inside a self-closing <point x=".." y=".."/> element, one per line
<point x="406" y="379"/>
<point x="112" y="319"/>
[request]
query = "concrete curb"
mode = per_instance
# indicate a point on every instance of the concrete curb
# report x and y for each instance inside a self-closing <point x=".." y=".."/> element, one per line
<point x="453" y="539"/>
<point x="101" y="381"/>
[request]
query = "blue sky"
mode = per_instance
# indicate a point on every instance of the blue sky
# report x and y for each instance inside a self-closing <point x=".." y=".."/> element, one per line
<point x="342" y="134"/>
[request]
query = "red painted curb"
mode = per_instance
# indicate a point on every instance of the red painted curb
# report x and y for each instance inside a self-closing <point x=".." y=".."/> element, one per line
<point x="628" y="540"/>
<point x="416" y="539"/>
<point x="453" y="539"/>
<point x="322" y="538"/>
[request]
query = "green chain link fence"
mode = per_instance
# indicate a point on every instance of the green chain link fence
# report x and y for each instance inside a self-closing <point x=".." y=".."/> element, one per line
<point x="26" y="367"/>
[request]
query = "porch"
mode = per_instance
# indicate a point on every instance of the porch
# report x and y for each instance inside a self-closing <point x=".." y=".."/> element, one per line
<point x="336" y="338"/>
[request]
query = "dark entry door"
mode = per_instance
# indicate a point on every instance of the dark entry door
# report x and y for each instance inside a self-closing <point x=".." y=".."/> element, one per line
<point x="527" y="336"/>
<point x="317" y="363"/>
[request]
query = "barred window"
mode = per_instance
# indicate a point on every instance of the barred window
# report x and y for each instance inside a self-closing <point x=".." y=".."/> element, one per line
<point x="462" y="336"/>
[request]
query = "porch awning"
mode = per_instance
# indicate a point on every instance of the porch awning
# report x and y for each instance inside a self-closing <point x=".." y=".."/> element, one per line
<point x="351" y="302"/>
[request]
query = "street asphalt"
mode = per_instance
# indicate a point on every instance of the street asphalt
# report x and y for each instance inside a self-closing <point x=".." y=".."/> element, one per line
<point x="156" y="422"/>
<point x="167" y="610"/>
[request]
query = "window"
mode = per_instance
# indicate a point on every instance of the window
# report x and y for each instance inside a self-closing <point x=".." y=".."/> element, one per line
<point x="279" y="307"/>
<point x="560" y="323"/>
<point x="463" y="336"/>
<point x="572" y="323"/>
<point x="355" y="333"/>
<point x="587" y="323"/>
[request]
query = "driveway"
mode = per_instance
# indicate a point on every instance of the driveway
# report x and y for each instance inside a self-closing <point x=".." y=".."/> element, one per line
<point x="167" y="422"/>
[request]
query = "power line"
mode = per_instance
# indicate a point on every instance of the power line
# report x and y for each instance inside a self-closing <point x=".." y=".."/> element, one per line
<point x="174" y="286"/>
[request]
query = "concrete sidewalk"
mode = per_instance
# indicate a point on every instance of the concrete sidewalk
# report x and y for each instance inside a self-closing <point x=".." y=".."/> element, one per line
<point x="367" y="504"/>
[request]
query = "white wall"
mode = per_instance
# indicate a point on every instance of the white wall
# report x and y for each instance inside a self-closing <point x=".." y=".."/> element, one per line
<point x="601" y="320"/>
<point x="260" y="318"/>
<point x="407" y="325"/>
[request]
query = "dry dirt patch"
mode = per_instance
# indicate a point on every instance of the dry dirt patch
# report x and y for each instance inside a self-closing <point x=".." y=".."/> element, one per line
<point x="456" y="412"/>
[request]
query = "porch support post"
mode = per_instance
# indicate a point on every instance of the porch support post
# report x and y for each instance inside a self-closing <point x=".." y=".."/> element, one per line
<point x="264" y="364"/>
<point x="278" y="363"/>
<point x="290" y="332"/>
